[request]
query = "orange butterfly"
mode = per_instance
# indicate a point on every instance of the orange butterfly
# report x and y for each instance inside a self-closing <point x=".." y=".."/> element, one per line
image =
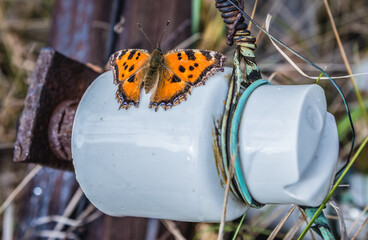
<point x="169" y="76"/>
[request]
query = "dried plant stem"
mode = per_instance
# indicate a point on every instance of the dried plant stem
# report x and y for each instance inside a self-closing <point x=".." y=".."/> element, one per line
<point x="346" y="62"/>
<point x="8" y="222"/>
<point x="294" y="229"/>
<point x="253" y="13"/>
<point x="357" y="220"/>
<point x="227" y="189"/>
<point x="173" y="229"/>
<point x="281" y="223"/>
<point x="305" y="217"/>
<point x="20" y="187"/>
<point x="69" y="209"/>
<point x="360" y="229"/>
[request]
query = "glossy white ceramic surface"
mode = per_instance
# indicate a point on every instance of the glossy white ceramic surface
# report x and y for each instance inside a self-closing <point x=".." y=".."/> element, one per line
<point x="288" y="144"/>
<point x="139" y="162"/>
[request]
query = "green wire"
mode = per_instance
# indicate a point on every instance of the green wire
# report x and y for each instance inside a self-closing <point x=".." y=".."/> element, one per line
<point x="321" y="70"/>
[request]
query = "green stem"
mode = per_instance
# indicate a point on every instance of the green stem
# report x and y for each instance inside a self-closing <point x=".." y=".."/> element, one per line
<point x="336" y="185"/>
<point x="238" y="228"/>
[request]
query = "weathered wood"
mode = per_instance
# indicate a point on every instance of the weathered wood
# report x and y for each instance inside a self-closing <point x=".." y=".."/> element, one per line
<point x="83" y="30"/>
<point x="80" y="29"/>
<point x="153" y="16"/>
<point x="55" y="79"/>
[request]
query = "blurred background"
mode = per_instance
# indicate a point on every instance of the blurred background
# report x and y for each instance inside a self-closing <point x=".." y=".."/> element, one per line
<point x="26" y="26"/>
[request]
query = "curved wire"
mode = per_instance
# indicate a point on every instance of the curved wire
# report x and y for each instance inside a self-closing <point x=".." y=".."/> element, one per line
<point x="320" y="69"/>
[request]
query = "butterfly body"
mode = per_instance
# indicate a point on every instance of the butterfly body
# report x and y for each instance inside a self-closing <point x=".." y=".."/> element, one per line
<point x="169" y="77"/>
<point x="152" y="76"/>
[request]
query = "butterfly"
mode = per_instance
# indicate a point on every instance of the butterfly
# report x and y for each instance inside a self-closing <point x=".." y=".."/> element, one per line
<point x="168" y="76"/>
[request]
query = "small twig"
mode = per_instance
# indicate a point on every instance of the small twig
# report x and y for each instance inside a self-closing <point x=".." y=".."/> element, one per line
<point x="347" y="64"/>
<point x="8" y="223"/>
<point x="260" y="34"/>
<point x="360" y="229"/>
<point x="20" y="187"/>
<point x="294" y="229"/>
<point x="357" y="220"/>
<point x="227" y="190"/>
<point x="281" y="223"/>
<point x="295" y="66"/>
<point x="69" y="209"/>
<point x="253" y="13"/>
<point x="305" y="217"/>
<point x="343" y="233"/>
<point x="57" y="235"/>
<point x="173" y="229"/>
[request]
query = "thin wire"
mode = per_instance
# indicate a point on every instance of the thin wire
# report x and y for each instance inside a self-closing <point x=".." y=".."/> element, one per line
<point x="320" y="69"/>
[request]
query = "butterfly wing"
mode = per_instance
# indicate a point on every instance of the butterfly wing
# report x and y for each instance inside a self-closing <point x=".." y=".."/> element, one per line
<point x="183" y="69"/>
<point x="194" y="66"/>
<point x="129" y="69"/>
<point x="170" y="90"/>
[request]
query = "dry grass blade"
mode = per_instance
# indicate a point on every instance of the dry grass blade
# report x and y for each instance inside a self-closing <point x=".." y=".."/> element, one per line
<point x="294" y="229"/>
<point x="20" y="187"/>
<point x="347" y="64"/>
<point x="357" y="220"/>
<point x="281" y="223"/>
<point x="227" y="190"/>
<point x="360" y="229"/>
<point x="85" y="217"/>
<point x="305" y="217"/>
<point x="295" y="66"/>
<point x="173" y="229"/>
<point x="8" y="223"/>
<point x="56" y="235"/>
<point x="69" y="209"/>
<point x="343" y="234"/>
<point x="253" y="12"/>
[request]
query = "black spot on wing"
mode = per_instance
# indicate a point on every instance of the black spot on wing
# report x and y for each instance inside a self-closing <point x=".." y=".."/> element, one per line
<point x="190" y="76"/>
<point x="131" y="68"/>
<point x="175" y="79"/>
<point x="190" y="54"/>
<point x="195" y="64"/>
<point x="181" y="68"/>
<point x="207" y="54"/>
<point x="131" y="78"/>
<point x="191" y="68"/>
<point x="126" y="66"/>
<point x="122" y="53"/>
<point x="131" y="54"/>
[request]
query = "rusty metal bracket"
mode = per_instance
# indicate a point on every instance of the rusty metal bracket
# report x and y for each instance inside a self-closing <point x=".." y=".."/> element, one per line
<point x="44" y="128"/>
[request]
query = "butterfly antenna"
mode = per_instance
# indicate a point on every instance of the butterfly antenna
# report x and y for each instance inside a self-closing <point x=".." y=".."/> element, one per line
<point x="140" y="28"/>
<point x="163" y="33"/>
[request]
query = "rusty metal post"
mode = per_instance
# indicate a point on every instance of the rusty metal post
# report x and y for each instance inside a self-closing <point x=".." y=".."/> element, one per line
<point x="56" y="79"/>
